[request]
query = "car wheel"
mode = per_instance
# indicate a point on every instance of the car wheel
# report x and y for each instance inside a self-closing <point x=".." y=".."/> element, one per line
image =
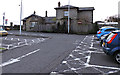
<point x="101" y="42"/>
<point x="117" y="57"/>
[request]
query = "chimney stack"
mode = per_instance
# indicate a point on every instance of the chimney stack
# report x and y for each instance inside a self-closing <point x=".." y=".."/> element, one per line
<point x="59" y="4"/>
<point x="34" y="12"/>
<point x="46" y="14"/>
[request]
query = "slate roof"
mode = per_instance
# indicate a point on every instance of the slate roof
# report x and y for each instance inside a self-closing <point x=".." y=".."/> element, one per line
<point x="86" y="8"/>
<point x="72" y="7"/>
<point x="50" y="19"/>
<point x="66" y="6"/>
<point x="31" y="16"/>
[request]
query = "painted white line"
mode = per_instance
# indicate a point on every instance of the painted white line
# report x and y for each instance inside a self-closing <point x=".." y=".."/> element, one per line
<point x="11" y="38"/>
<point x="20" y="43"/>
<point x="78" y="47"/>
<point x="5" y="38"/>
<point x="12" y="60"/>
<point x="18" y="39"/>
<point x="88" y="58"/>
<point x="42" y="39"/>
<point x="115" y="68"/>
<point x="33" y="41"/>
<point x="64" y="62"/>
<point x="38" y="39"/>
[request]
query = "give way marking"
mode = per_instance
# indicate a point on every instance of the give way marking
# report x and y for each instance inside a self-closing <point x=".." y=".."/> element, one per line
<point x="12" y="60"/>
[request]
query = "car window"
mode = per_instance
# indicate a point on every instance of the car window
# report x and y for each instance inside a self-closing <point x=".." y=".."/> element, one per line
<point x="109" y="37"/>
<point x="100" y="30"/>
<point x="110" y="29"/>
<point x="1" y="28"/>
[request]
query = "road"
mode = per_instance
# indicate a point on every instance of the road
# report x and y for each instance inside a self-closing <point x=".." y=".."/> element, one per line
<point x="32" y="56"/>
<point x="56" y="54"/>
<point x="87" y="58"/>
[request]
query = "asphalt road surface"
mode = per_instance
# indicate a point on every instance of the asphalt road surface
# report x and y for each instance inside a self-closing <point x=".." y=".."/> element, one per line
<point x="58" y="54"/>
<point x="87" y="58"/>
<point x="36" y="55"/>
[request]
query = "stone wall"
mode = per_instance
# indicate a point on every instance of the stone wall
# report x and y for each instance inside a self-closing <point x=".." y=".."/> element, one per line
<point x="44" y="28"/>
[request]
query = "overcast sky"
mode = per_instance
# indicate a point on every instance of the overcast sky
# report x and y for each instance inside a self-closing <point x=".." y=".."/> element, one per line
<point x="103" y="8"/>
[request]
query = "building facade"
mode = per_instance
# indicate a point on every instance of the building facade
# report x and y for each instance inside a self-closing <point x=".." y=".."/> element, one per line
<point x="81" y="18"/>
<point x="38" y="23"/>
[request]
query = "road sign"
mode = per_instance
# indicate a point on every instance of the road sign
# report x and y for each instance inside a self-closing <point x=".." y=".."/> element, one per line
<point x="6" y="21"/>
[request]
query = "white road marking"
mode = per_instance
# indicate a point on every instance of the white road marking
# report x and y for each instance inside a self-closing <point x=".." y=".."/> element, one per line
<point x="88" y="58"/>
<point x="12" y="60"/>
<point x="64" y="62"/>
<point x="18" y="39"/>
<point x="5" y="38"/>
<point x="33" y="41"/>
<point x="11" y="38"/>
<point x="81" y="50"/>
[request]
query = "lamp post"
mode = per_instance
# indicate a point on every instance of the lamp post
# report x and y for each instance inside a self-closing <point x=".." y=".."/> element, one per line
<point x="68" y="16"/>
<point x="3" y="18"/>
<point x="20" y="16"/>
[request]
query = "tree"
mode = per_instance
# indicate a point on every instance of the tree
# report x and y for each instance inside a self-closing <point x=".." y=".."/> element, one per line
<point x="113" y="18"/>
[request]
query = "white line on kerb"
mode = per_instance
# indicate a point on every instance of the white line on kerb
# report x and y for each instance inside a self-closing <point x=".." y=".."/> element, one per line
<point x="12" y="60"/>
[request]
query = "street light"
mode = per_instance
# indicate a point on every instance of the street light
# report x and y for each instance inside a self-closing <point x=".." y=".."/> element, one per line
<point x="68" y="16"/>
<point x="20" y="16"/>
<point x="3" y="18"/>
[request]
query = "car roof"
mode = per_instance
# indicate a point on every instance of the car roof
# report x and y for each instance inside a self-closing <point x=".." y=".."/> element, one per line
<point x="116" y="31"/>
<point x="107" y="27"/>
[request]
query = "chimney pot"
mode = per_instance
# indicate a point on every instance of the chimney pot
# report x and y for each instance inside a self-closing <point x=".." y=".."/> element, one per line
<point x="46" y="14"/>
<point x="34" y="12"/>
<point x="59" y="4"/>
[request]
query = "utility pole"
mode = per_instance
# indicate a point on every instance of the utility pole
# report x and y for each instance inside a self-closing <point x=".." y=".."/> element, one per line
<point x="68" y="16"/>
<point x="3" y="18"/>
<point x="20" y="16"/>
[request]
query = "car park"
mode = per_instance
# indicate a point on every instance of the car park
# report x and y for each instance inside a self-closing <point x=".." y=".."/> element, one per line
<point x="111" y="46"/>
<point x="105" y="30"/>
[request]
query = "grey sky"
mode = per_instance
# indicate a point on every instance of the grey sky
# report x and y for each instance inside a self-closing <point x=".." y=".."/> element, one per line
<point x="103" y="8"/>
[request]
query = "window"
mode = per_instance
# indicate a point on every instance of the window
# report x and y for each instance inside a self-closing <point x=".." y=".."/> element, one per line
<point x="1" y="28"/>
<point x="66" y="13"/>
<point x="110" y="30"/>
<point x="33" y="24"/>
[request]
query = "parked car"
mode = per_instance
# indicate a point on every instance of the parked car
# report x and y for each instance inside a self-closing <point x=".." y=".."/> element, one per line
<point x="105" y="30"/>
<point x="111" y="46"/>
<point x="103" y="38"/>
<point x="2" y="31"/>
<point x="7" y="28"/>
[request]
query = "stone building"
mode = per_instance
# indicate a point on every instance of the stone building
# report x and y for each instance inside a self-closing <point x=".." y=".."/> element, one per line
<point x="81" y="18"/>
<point x="37" y="23"/>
